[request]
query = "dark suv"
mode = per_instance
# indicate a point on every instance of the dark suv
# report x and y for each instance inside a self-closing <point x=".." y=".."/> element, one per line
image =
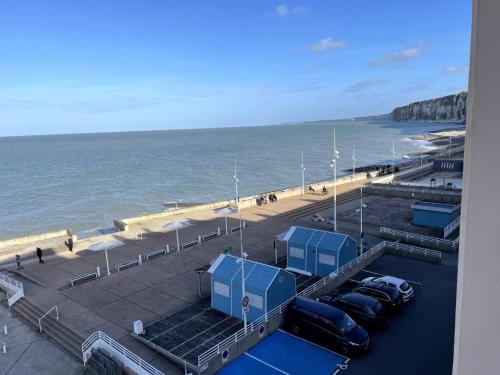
<point x="367" y="311"/>
<point x="327" y="326"/>
<point x="386" y="294"/>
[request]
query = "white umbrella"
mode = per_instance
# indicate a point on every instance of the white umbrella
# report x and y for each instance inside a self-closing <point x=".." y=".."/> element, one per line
<point x="105" y="245"/>
<point x="177" y="225"/>
<point x="224" y="212"/>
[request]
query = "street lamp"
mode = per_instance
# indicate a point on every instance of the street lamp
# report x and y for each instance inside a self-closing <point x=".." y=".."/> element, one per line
<point x="235" y="178"/>
<point x="449" y="147"/>
<point x="333" y="164"/>
<point x="303" y="173"/>
<point x="353" y="161"/>
<point x="360" y="211"/>
<point x="393" y="156"/>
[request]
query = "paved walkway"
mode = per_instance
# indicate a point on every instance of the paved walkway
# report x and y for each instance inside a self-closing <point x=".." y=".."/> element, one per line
<point x="29" y="352"/>
<point x="156" y="288"/>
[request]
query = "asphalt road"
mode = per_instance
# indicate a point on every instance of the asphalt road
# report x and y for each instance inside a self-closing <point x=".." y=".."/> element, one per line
<point x="419" y="340"/>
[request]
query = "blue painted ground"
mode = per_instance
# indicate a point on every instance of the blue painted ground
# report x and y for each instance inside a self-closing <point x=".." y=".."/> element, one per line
<point x="285" y="354"/>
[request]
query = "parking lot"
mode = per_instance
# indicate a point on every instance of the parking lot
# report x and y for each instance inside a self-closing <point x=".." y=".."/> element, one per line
<point x="419" y="339"/>
<point x="283" y="353"/>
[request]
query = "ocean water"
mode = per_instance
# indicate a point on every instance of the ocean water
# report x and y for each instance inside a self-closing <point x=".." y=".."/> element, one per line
<point x="85" y="181"/>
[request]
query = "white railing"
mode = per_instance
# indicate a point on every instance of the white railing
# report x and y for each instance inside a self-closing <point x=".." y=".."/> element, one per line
<point x="237" y="336"/>
<point x="15" y="289"/>
<point x="99" y="340"/>
<point x="83" y="278"/>
<point x="410" y="189"/>
<point x="451" y="227"/>
<point x="47" y="313"/>
<point x="413" y="249"/>
<point x="420" y="237"/>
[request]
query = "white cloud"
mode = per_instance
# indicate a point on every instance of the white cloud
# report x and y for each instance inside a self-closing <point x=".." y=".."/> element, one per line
<point x="401" y="58"/>
<point x="326" y="44"/>
<point x="456" y="69"/>
<point x="284" y="10"/>
<point x="363" y="85"/>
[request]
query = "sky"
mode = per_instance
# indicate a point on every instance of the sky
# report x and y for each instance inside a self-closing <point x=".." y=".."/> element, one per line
<point x="123" y="65"/>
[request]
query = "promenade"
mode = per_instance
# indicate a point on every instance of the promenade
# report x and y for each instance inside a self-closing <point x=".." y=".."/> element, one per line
<point x="161" y="286"/>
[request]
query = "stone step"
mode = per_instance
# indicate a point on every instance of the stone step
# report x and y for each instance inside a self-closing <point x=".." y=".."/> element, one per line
<point x="51" y="327"/>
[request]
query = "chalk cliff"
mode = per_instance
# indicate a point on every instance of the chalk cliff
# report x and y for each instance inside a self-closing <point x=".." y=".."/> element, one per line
<point x="447" y="108"/>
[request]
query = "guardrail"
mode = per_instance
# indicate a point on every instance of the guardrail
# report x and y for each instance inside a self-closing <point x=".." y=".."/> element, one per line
<point x="411" y="189"/>
<point x="153" y="255"/>
<point x="187" y="245"/>
<point x="44" y="315"/>
<point x="117" y="351"/>
<point x="83" y="278"/>
<point x="209" y="236"/>
<point x="451" y="227"/>
<point x="15" y="289"/>
<point x="126" y="265"/>
<point x="413" y="250"/>
<point x="237" y="336"/>
<point x="420" y="237"/>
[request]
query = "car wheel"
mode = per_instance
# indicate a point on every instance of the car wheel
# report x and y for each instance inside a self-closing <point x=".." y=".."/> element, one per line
<point x="296" y="330"/>
<point x="344" y="350"/>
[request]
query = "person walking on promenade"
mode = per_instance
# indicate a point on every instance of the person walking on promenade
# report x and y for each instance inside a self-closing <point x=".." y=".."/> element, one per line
<point x="69" y="244"/>
<point x="18" y="262"/>
<point x="39" y="255"/>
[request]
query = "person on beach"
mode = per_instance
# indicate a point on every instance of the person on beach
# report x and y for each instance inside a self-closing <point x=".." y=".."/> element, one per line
<point x="18" y="262"/>
<point x="69" y="244"/>
<point x="39" y="255"/>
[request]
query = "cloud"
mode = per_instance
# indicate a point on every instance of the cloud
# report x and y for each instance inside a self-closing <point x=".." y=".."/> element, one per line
<point x="401" y="58"/>
<point x="283" y="10"/>
<point x="455" y="69"/>
<point x="363" y="85"/>
<point x="326" y="44"/>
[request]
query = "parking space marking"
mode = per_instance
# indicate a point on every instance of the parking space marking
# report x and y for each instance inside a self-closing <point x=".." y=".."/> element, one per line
<point x="381" y="274"/>
<point x="312" y="343"/>
<point x="346" y="363"/>
<point x="267" y="364"/>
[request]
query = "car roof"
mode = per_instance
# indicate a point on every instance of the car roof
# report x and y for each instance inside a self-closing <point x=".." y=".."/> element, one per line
<point x="391" y="279"/>
<point x="319" y="308"/>
<point x="379" y="285"/>
<point x="358" y="298"/>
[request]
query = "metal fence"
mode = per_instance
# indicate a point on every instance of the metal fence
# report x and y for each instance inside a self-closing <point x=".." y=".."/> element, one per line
<point x="413" y="250"/>
<point x="132" y="360"/>
<point x="451" y="227"/>
<point x="83" y="278"/>
<point x="15" y="289"/>
<point x="412" y="189"/>
<point x="420" y="237"/>
<point x="237" y="336"/>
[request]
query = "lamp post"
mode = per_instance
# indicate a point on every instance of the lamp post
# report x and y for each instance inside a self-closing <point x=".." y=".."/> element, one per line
<point x="235" y="178"/>
<point x="303" y="173"/>
<point x="449" y="147"/>
<point x="353" y="161"/>
<point x="333" y="164"/>
<point x="360" y="211"/>
<point x="393" y="156"/>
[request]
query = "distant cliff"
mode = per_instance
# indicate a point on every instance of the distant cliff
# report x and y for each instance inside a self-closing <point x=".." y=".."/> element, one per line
<point x="446" y="108"/>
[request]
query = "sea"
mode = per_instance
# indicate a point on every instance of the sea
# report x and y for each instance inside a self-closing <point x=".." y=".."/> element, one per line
<point x="85" y="181"/>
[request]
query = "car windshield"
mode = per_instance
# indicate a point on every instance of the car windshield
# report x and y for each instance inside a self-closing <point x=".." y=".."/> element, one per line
<point x="345" y="324"/>
<point x="405" y="286"/>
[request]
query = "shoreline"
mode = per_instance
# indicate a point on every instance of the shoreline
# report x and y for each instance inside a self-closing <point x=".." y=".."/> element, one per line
<point x="437" y="138"/>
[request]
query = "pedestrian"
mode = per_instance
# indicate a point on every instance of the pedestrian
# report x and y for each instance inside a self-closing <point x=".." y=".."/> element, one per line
<point x="18" y="262"/>
<point x="39" y="255"/>
<point x="69" y="244"/>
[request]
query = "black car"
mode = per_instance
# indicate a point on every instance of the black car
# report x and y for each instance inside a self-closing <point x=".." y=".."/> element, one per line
<point x="327" y="326"/>
<point x="367" y="311"/>
<point x="388" y="295"/>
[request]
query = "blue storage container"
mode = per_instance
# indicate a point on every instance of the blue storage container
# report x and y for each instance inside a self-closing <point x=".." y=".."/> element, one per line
<point x="317" y="252"/>
<point x="266" y="286"/>
<point x="434" y="215"/>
